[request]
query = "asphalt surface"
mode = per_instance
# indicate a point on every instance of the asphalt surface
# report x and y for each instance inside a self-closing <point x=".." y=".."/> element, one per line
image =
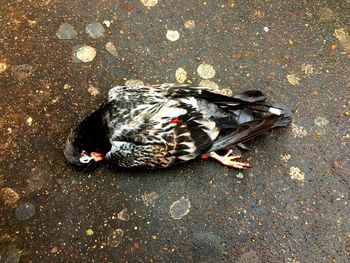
<point x="291" y="206"/>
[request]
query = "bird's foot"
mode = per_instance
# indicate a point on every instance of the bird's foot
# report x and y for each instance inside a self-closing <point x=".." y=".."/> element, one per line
<point x="228" y="160"/>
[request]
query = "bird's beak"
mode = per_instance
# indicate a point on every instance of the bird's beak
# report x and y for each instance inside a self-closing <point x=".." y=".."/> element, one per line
<point x="96" y="156"/>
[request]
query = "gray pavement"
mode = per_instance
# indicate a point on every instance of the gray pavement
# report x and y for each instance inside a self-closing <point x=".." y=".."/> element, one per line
<point x="58" y="59"/>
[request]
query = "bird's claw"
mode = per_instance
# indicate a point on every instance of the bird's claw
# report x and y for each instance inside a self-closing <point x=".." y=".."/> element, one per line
<point x="228" y="160"/>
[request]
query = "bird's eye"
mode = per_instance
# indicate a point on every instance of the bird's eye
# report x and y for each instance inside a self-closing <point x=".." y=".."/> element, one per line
<point x="85" y="159"/>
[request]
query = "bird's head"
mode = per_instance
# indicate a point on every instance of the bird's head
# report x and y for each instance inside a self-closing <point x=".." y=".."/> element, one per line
<point x="87" y="144"/>
<point x="81" y="158"/>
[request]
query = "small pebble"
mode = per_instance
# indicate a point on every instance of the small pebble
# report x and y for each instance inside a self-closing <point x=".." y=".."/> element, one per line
<point x="95" y="30"/>
<point x="66" y="31"/>
<point x="189" y="24"/>
<point x="240" y="175"/>
<point x="93" y="90"/>
<point x="25" y="211"/>
<point x="111" y="49"/>
<point x="32" y="23"/>
<point x="89" y="232"/>
<point x="107" y="23"/>
<point x="318" y="135"/>
<point x="29" y="121"/>
<point x="54" y="249"/>
<point x="266" y="29"/>
<point x="172" y="35"/>
<point x="180" y="208"/>
<point x="206" y="71"/>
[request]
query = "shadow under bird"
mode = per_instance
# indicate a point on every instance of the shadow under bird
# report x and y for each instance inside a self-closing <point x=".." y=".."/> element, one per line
<point x="160" y="126"/>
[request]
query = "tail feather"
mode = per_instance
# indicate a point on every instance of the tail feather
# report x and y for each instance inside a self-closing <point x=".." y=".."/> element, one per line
<point x="245" y="132"/>
<point x="251" y="96"/>
<point x="245" y="115"/>
<point x="277" y="116"/>
<point x="287" y="114"/>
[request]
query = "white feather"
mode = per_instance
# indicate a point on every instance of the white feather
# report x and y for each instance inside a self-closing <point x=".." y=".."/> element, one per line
<point x="275" y="111"/>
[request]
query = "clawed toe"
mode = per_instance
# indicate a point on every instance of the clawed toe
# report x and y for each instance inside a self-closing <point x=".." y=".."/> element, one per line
<point x="228" y="160"/>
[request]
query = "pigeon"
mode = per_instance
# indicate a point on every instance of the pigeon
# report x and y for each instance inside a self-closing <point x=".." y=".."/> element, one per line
<point x="162" y="125"/>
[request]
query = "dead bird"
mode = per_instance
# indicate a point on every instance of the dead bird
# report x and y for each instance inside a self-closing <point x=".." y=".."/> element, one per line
<point x="160" y="126"/>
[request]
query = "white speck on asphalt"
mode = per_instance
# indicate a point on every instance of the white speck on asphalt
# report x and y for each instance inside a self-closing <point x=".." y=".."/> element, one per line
<point x="172" y="35"/>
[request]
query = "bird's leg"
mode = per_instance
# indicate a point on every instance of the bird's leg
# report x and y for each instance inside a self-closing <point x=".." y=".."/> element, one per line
<point x="228" y="160"/>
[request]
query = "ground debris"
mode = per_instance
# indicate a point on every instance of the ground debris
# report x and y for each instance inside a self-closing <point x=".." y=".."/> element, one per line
<point x="206" y="71"/>
<point x="66" y="31"/>
<point x="343" y="38"/>
<point x="180" y="208"/>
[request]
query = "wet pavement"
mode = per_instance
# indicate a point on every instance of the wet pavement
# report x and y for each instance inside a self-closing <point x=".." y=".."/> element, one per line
<point x="59" y="58"/>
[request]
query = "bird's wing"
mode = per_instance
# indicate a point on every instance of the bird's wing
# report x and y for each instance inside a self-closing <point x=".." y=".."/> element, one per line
<point x="158" y="129"/>
<point x="160" y="125"/>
